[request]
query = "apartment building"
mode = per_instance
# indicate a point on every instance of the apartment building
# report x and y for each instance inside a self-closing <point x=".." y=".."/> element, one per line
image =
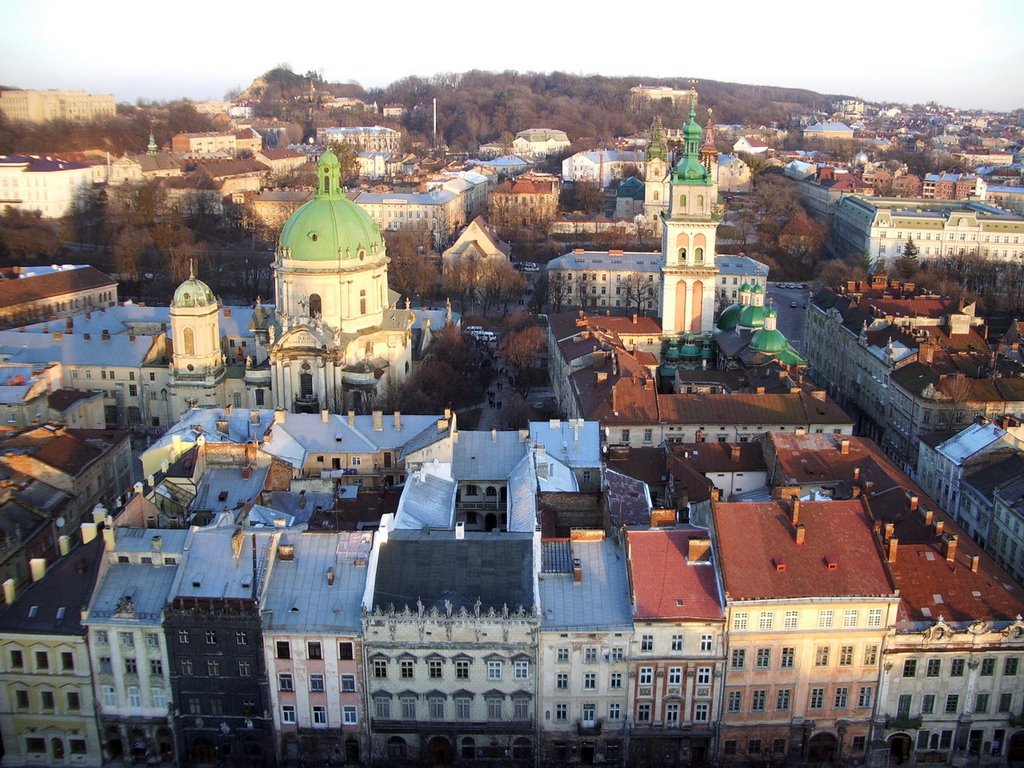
<point x="41" y="106"/>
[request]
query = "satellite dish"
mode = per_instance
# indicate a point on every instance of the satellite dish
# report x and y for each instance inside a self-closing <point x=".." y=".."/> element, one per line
<point x="59" y="522"/>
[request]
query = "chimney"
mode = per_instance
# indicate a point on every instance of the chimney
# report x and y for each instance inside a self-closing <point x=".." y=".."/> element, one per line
<point x="352" y="419"/>
<point x="460" y="531"/>
<point x="856" y="474"/>
<point x="890" y="528"/>
<point x="975" y="562"/>
<point x="734" y="453"/>
<point x="800" y="534"/>
<point x="279" y="416"/>
<point x="330" y="576"/>
<point x="378" y="421"/>
<point x="105" y="335"/>
<point x="494" y="434"/>
<point x="914" y="501"/>
<point x="10" y="591"/>
<point x="894" y="544"/>
<point x="699" y="549"/>
<point x="37" y="566"/>
<point x="86" y="337"/>
<point x="88" y="532"/>
<point x="844" y="446"/>
<point x="938" y="527"/>
<point x="796" y="511"/>
<point x="927" y="515"/>
<point x="868" y="486"/>
<point x="64" y="542"/>
<point x="818" y="394"/>
<point x="325" y="415"/>
<point x="156" y="543"/>
<point x="635" y="317"/>
<point x="398" y="421"/>
<point x="577" y="570"/>
<point x="949" y="542"/>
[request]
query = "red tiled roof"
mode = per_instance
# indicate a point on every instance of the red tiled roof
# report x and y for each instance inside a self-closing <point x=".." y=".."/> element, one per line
<point x="29" y="289"/>
<point x="761" y="559"/>
<point x="719" y="457"/>
<point x="665" y="584"/>
<point x="61" y="400"/>
<point x="795" y="408"/>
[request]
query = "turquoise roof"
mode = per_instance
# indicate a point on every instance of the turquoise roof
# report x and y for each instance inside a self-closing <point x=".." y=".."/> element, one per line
<point x="330" y="226"/>
<point x="729" y="318"/>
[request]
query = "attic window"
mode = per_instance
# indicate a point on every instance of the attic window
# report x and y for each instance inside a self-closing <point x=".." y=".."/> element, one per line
<point x="780" y="565"/>
<point x="679" y="602"/>
<point x="33" y="611"/>
<point x="60" y="613"/>
<point x="222" y="496"/>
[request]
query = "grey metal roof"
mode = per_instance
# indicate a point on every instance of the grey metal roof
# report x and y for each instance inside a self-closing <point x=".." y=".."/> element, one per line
<point x="215" y="569"/>
<point x="740" y="265"/>
<point x="428" y="499"/>
<point x="574" y="442"/>
<point x="522" y="496"/>
<point x="629" y="261"/>
<point x="486" y="455"/>
<point x="599" y="601"/>
<point x="141" y="539"/>
<point x="132" y="592"/>
<point x="34" y="348"/>
<point x="227" y="488"/>
<point x="496" y="570"/>
<point x="299" y="595"/>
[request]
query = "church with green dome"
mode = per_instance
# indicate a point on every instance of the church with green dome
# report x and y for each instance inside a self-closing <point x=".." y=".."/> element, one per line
<point x="334" y="338"/>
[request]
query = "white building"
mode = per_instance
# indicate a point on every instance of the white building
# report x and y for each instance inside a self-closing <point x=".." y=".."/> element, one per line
<point x="601" y="166"/>
<point x="540" y="142"/>
<point x="45" y="184"/>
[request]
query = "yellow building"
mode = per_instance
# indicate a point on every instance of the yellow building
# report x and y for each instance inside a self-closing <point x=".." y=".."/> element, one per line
<point x="47" y="706"/>
<point x="40" y="106"/>
<point x="809" y="600"/>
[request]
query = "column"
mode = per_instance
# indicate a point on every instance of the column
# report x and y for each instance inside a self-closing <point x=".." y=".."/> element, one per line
<point x="688" y="310"/>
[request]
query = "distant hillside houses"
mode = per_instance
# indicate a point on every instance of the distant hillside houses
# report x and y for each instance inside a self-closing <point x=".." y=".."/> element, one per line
<point x="540" y="142"/>
<point x="602" y="166"/>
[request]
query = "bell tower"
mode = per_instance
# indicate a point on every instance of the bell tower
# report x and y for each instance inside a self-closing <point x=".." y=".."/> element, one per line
<point x="688" y="270"/>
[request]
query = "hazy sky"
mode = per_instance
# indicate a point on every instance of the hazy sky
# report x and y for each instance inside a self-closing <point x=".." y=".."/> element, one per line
<point x="959" y="54"/>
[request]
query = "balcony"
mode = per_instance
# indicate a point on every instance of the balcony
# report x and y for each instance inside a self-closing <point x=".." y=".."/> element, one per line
<point x="902" y="722"/>
<point x="589" y="727"/>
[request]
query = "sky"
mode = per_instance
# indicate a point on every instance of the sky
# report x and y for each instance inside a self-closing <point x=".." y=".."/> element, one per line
<point x="910" y="51"/>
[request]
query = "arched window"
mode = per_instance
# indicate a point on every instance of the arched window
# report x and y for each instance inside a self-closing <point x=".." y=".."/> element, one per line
<point x="396" y="748"/>
<point x="698" y="255"/>
<point x="362" y="302"/>
<point x="700" y="202"/>
<point x="682" y="254"/>
<point x="315" y="305"/>
<point x="657" y="195"/>
<point x="189" y="337"/>
<point x="682" y="201"/>
<point x="468" y="748"/>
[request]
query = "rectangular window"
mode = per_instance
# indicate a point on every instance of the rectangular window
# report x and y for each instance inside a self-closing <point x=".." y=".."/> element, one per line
<point x="956" y="668"/>
<point x="380" y="668"/>
<point x="643" y="713"/>
<point x="677" y="643"/>
<point x="870" y="655"/>
<point x="764" y="658"/>
<point x="647" y="643"/>
<point x="615" y="680"/>
<point x="754" y="746"/>
<point x="846" y="656"/>
<point x="42" y="660"/>
<point x="462" y="708"/>
<point x="864" y="696"/>
<point x="933" y="668"/>
<point x="212" y="667"/>
<point x="675" y="675"/>
<point x="159" y="697"/>
<point x="345" y="650"/>
<point x="435" y="708"/>
<point x="739" y="620"/>
<point x="850" y="618"/>
<point x="875" y="617"/>
<point x="981" y="703"/>
<point x="156" y="667"/>
<point x="952" y="702"/>
<point x="152" y="640"/>
<point x="348" y="683"/>
<point x="787" y="658"/>
<point x="434" y="669"/>
<point x="349" y="716"/>
<point x="284" y="682"/>
<point x="405" y="669"/>
<point x="316" y="683"/>
<point x="522" y="670"/>
<point x="821" y="656"/>
<point x="706" y="643"/>
<point x="461" y="669"/>
<point x="614" y="711"/>
<point x="319" y="715"/>
<point x="988" y="667"/>
<point x="738" y="658"/>
<point x="817" y="700"/>
<point x="672" y="715"/>
<point x="590" y="681"/>
<point x="928" y="704"/>
<point x="494" y="709"/>
<point x="765" y="620"/>
<point x="186" y="667"/>
<point x="791" y="620"/>
<point x="562" y="681"/>
<point x="521" y="709"/>
<point x="382" y="708"/>
<point x="910" y="668"/>
<point x="562" y="655"/>
<point x="314" y="650"/>
<point x="703" y="675"/>
<point x="757" y="700"/>
<point x="109" y="696"/>
<point x="183" y="638"/>
<point x="561" y="712"/>
<point x="1010" y="666"/>
<point x="408" y="708"/>
<point x="494" y="670"/>
<point x="1005" y="702"/>
<point x="245" y="669"/>
<point x="211" y="637"/>
<point x="782" y="700"/>
<point x="735" y="701"/>
<point x="825" y="619"/>
<point x="73" y="700"/>
<point x="903" y="705"/>
<point x="284" y="650"/>
<point x="842" y="698"/>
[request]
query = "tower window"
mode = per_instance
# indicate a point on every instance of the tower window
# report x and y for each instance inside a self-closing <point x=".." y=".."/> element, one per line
<point x="315" y="305"/>
<point x="189" y="338"/>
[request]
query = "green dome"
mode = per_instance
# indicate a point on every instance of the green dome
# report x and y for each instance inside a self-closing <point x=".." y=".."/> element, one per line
<point x="756" y="288"/>
<point x="769" y="342"/>
<point x="330" y="226"/>
<point x="690" y="350"/>
<point x="752" y="316"/>
<point x="193" y="293"/>
<point x="729" y="318"/>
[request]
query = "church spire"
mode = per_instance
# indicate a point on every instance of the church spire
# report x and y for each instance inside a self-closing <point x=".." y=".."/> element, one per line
<point x="657" y="149"/>
<point x="690" y="170"/>
<point x="152" y="148"/>
<point x="708" y="153"/>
